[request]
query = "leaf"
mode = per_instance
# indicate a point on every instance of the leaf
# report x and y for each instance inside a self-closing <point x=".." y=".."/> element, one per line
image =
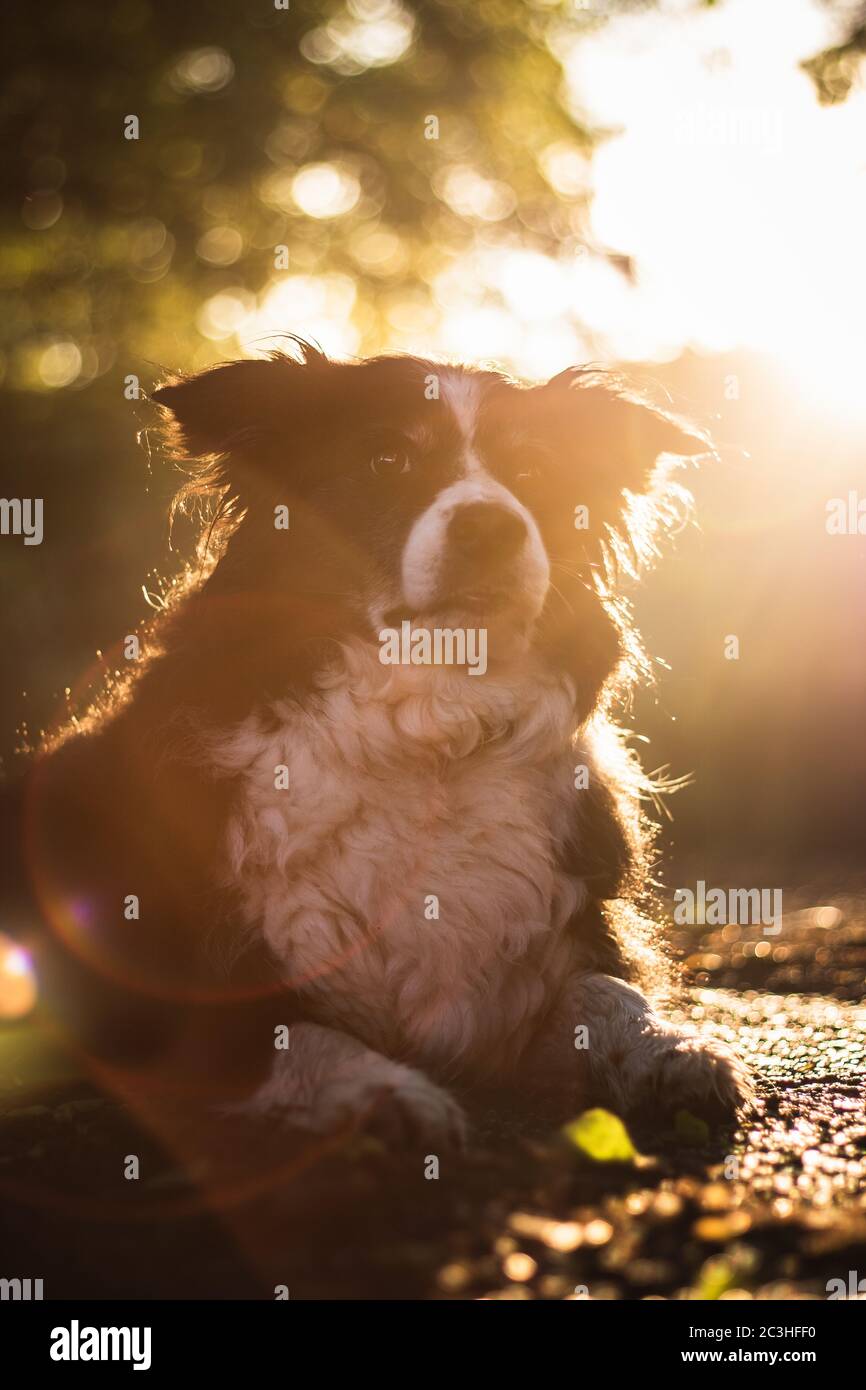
<point x="601" y="1136"/>
<point x="735" y="1269"/>
<point x="717" y="1276"/>
<point x="691" y="1128"/>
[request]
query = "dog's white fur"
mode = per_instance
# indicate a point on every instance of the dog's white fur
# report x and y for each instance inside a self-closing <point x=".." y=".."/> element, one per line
<point x="406" y="878"/>
<point x="410" y="785"/>
<point x="425" y="548"/>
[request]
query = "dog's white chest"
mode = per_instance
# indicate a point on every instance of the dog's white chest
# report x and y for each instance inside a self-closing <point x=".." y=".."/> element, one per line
<point x="401" y="862"/>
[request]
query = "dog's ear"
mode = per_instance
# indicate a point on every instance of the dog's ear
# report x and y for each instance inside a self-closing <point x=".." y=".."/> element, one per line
<point x="236" y="407"/>
<point x="611" y="437"/>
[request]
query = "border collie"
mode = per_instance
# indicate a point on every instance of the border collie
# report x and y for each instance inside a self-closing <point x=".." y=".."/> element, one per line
<point x="437" y="874"/>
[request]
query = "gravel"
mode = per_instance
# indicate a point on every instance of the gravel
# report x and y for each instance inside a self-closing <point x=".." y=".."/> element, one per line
<point x="776" y="1209"/>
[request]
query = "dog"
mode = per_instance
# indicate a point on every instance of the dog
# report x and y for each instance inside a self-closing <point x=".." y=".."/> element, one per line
<point x="436" y="876"/>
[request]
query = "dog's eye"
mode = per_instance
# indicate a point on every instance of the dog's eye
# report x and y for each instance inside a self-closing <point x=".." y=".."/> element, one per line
<point x="530" y="463"/>
<point x="388" y="463"/>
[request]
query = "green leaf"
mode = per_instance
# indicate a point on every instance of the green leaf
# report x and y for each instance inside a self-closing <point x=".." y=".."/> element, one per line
<point x="717" y="1276"/>
<point x="601" y="1136"/>
<point x="691" y="1128"/>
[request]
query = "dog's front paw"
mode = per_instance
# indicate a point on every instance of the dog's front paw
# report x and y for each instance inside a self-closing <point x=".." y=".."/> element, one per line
<point x="665" y="1070"/>
<point x="410" y="1112"/>
<point x="392" y="1102"/>
<point x="329" y="1082"/>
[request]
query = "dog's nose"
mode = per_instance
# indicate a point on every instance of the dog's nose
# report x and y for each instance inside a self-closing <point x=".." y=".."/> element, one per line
<point x="486" y="532"/>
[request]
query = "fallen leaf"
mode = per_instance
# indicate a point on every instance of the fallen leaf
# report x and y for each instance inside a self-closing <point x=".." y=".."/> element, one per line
<point x="601" y="1136"/>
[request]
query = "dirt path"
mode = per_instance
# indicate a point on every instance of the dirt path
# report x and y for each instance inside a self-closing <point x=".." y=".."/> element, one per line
<point x="775" y="1210"/>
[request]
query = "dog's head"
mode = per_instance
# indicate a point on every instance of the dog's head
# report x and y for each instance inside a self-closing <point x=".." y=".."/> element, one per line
<point x="397" y="489"/>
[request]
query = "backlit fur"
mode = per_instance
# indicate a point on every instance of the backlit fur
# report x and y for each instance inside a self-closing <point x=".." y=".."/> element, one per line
<point x="402" y="860"/>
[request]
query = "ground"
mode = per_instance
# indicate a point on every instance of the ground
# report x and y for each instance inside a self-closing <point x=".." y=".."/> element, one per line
<point x="774" y="1210"/>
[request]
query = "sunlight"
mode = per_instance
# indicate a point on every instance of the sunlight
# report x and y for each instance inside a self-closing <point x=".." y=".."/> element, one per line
<point x="321" y="303"/>
<point x="740" y="199"/>
<point x="723" y="209"/>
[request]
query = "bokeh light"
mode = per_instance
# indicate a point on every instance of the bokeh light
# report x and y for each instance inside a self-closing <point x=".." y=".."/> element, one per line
<point x="366" y="34"/>
<point x="18" y="990"/>
<point x="325" y="190"/>
<point x="203" y="70"/>
<point x="620" y="183"/>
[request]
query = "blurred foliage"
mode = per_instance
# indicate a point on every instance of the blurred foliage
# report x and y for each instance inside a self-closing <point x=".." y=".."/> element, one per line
<point x="259" y="128"/>
<point x="835" y="71"/>
<point x="306" y="128"/>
